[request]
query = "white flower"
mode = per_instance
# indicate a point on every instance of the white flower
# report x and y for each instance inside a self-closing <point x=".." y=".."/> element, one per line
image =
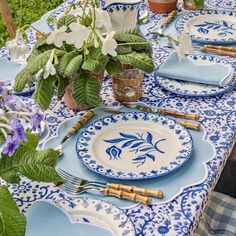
<point x="79" y="33"/>
<point x="57" y="36"/>
<point x="102" y="19"/>
<point x="39" y="73"/>
<point x="183" y="45"/>
<point x="17" y="47"/>
<point x="49" y="68"/>
<point x="109" y="45"/>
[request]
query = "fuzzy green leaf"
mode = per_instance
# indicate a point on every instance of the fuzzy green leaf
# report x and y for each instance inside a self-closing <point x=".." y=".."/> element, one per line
<point x="62" y="83"/>
<point x="138" y="60"/>
<point x="114" y="67"/>
<point x="133" y="36"/>
<point x="123" y="49"/>
<point x="66" y="20"/>
<point x="69" y="64"/>
<point x="12" y="222"/>
<point x="33" y="139"/>
<point x="36" y="165"/>
<point x="95" y="61"/>
<point x="86" y="90"/>
<point x="44" y="92"/>
<point x="31" y="69"/>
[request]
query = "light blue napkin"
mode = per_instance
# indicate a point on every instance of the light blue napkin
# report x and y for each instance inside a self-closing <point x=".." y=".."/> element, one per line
<point x="9" y="69"/>
<point x="186" y="70"/>
<point x="45" y="219"/>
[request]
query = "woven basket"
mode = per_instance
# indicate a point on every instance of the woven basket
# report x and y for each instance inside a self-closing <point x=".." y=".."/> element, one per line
<point x="127" y="85"/>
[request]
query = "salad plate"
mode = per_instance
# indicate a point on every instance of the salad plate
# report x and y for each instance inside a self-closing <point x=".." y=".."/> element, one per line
<point x="209" y="26"/>
<point x="185" y="88"/>
<point x="99" y="213"/>
<point x="133" y="146"/>
<point x="47" y="218"/>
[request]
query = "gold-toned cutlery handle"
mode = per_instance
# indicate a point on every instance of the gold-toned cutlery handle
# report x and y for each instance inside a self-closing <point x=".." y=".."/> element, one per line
<point x="132" y="189"/>
<point x="190" y="124"/>
<point x="169" y="18"/>
<point x="128" y="196"/>
<point x="221" y="50"/>
<point x="183" y="115"/>
<point x="84" y="119"/>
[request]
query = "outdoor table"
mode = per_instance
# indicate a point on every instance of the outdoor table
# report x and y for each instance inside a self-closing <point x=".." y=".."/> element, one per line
<point x="179" y="215"/>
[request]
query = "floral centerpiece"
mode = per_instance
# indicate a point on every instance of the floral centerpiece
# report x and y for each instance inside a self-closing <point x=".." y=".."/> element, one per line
<point x="71" y="60"/>
<point x="20" y="128"/>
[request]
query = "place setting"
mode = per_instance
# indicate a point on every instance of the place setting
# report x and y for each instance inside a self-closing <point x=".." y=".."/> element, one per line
<point x="118" y="156"/>
<point x="202" y="82"/>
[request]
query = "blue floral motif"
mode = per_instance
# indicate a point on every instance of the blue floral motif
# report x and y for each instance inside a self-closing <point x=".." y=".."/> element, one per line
<point x="114" y="152"/>
<point x="222" y="27"/>
<point x="140" y="145"/>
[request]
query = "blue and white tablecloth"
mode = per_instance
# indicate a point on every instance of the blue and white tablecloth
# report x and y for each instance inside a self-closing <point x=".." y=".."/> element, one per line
<point x="181" y="215"/>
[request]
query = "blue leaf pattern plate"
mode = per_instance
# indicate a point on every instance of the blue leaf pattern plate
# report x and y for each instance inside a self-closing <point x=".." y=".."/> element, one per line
<point x="185" y="88"/>
<point x="209" y="26"/>
<point x="134" y="146"/>
<point x="98" y="213"/>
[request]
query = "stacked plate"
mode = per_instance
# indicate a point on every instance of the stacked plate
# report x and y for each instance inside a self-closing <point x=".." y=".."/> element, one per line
<point x="208" y="27"/>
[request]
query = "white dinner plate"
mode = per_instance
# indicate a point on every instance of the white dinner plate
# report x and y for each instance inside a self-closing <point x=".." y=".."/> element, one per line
<point x="209" y="26"/>
<point x="134" y="146"/>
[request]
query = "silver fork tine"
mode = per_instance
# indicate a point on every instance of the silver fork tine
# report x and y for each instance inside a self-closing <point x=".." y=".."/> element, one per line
<point x="67" y="175"/>
<point x="77" y="180"/>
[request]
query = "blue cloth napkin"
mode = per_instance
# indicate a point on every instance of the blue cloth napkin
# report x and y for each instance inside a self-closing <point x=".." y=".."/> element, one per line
<point x="9" y="69"/>
<point x="45" y="219"/>
<point x="186" y="70"/>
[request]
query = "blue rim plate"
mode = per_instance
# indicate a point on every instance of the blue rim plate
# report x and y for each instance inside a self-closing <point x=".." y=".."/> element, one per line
<point x="184" y="88"/>
<point x="209" y="26"/>
<point x="99" y="213"/>
<point x="134" y="146"/>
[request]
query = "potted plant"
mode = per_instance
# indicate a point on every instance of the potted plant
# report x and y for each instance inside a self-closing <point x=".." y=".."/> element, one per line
<point x="72" y="59"/>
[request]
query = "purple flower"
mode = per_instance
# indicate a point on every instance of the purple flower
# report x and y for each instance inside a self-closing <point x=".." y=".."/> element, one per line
<point x="12" y="143"/>
<point x="3" y="90"/>
<point x="36" y="120"/>
<point x="13" y="103"/>
<point x="18" y="128"/>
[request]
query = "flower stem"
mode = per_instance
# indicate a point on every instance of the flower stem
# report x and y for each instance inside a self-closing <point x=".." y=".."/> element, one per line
<point x="6" y="127"/>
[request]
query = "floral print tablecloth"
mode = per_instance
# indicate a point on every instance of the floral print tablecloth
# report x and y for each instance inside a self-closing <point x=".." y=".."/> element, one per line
<point x="218" y="115"/>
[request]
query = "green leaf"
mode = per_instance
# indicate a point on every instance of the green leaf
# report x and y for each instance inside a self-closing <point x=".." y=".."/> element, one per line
<point x="133" y="36"/>
<point x="36" y="165"/>
<point x="31" y="69"/>
<point x="138" y="60"/>
<point x="123" y="49"/>
<point x="114" y="67"/>
<point x="12" y="222"/>
<point x="33" y="139"/>
<point x="95" y="61"/>
<point x="85" y="90"/>
<point x="66" y="20"/>
<point x="44" y="92"/>
<point x="62" y="84"/>
<point x="69" y="64"/>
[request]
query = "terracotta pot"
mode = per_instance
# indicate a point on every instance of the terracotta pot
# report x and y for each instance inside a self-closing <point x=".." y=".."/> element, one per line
<point x="162" y="6"/>
<point x="69" y="100"/>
